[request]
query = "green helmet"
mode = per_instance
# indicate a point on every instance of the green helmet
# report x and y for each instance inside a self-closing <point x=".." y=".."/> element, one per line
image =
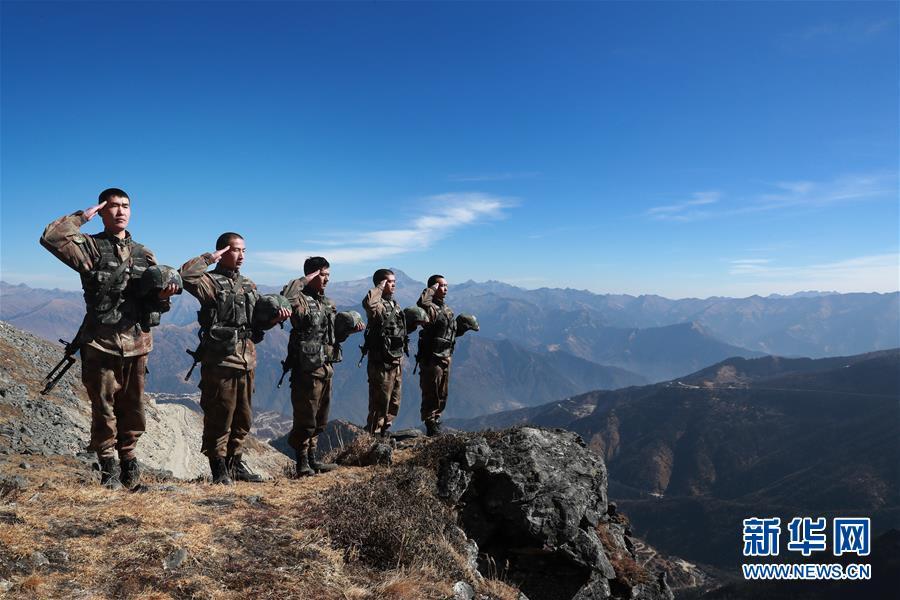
<point x="267" y="309"/>
<point x="157" y="277"/>
<point x="415" y="316"/>
<point x="345" y="323"/>
<point x="466" y="323"/>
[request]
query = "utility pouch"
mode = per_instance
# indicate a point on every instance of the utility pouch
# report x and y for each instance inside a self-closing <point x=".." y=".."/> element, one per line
<point x="311" y="355"/>
<point x="220" y="341"/>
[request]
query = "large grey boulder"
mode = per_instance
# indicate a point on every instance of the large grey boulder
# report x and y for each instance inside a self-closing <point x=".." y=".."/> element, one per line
<point x="534" y="501"/>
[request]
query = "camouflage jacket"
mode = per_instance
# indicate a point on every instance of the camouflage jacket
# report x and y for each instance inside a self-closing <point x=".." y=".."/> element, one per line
<point x="299" y="298"/>
<point x="63" y="238"/>
<point x="432" y="308"/>
<point x="199" y="284"/>
<point x="373" y="304"/>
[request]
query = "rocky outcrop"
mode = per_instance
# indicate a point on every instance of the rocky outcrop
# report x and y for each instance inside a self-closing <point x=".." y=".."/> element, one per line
<point x="59" y="423"/>
<point x="535" y="502"/>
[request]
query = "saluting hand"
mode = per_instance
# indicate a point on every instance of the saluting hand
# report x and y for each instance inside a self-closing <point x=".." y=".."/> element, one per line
<point x="218" y="254"/>
<point x="168" y="291"/>
<point x="360" y="326"/>
<point x="89" y="213"/>
<point x="309" y="277"/>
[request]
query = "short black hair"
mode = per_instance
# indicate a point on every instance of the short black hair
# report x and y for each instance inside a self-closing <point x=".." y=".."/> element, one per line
<point x="314" y="263"/>
<point x="380" y="275"/>
<point x="226" y="238"/>
<point x="433" y="280"/>
<point x="108" y="193"/>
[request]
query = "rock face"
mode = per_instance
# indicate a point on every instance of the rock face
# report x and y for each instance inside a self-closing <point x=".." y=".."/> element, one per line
<point x="59" y="423"/>
<point x="535" y="503"/>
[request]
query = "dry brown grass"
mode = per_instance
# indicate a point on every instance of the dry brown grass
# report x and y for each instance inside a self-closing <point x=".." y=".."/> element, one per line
<point x="354" y="534"/>
<point x="628" y="571"/>
<point x="498" y="590"/>
<point x="395" y="520"/>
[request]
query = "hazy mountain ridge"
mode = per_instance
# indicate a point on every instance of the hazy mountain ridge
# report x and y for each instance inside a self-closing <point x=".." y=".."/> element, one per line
<point x="769" y="436"/>
<point x="561" y="328"/>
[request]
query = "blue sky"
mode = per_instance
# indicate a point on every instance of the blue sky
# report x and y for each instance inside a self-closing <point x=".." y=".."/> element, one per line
<point x="678" y="148"/>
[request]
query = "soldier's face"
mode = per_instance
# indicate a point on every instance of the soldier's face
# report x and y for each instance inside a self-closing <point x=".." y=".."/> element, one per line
<point x="234" y="258"/>
<point x="319" y="282"/>
<point x="441" y="292"/>
<point x="116" y="214"/>
<point x="390" y="284"/>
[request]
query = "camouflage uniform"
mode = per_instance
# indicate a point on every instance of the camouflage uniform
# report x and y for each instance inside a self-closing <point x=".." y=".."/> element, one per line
<point x="226" y="381"/>
<point x="311" y="351"/>
<point x="384" y="368"/>
<point x="114" y="357"/>
<point x="436" y="344"/>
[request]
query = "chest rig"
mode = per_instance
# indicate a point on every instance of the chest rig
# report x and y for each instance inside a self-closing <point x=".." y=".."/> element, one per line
<point x="438" y="338"/>
<point x="388" y="340"/>
<point x="226" y="321"/>
<point x="112" y="286"/>
<point x="312" y="343"/>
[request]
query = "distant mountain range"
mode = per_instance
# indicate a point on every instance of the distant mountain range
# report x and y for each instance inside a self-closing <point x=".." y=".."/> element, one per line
<point x="535" y="346"/>
<point x="767" y="436"/>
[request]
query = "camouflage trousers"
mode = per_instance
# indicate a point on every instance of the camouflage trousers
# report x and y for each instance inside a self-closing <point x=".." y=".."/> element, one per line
<point x="434" y="379"/>
<point x="311" y="399"/>
<point x="385" y="391"/>
<point x="225" y="396"/>
<point x="115" y="385"/>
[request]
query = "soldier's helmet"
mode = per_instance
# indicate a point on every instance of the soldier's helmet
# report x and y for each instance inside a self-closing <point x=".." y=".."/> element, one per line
<point x="414" y="315"/>
<point x="466" y="323"/>
<point x="267" y="308"/>
<point x="346" y="323"/>
<point x="157" y="277"/>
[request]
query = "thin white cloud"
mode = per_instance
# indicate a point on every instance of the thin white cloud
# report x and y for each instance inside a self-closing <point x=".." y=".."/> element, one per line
<point x="878" y="272"/>
<point x="686" y="209"/>
<point x="749" y="265"/>
<point x="494" y="176"/>
<point x="807" y="195"/>
<point x="448" y="213"/>
<point x="854" y="30"/>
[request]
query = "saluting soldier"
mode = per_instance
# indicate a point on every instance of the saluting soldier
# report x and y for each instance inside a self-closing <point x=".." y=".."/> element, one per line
<point x="386" y="342"/>
<point x="312" y="350"/>
<point x="229" y="330"/>
<point x="115" y="337"/>
<point x="437" y="341"/>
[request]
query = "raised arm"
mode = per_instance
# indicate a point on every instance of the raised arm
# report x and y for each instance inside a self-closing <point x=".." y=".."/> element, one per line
<point x="63" y="238"/>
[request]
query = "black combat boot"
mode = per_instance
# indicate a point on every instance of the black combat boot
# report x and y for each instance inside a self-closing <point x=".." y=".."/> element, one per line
<point x="432" y="428"/>
<point x="315" y="465"/>
<point x="131" y="473"/>
<point x="109" y="473"/>
<point x="239" y="471"/>
<point x="303" y="468"/>
<point x="219" y="471"/>
<point x="384" y="430"/>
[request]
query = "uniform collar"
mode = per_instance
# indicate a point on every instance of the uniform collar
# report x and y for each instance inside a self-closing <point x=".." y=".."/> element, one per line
<point x="125" y="241"/>
<point x="230" y="273"/>
<point x="320" y="296"/>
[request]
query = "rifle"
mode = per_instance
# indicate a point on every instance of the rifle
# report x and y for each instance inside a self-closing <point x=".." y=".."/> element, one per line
<point x="68" y="359"/>
<point x="286" y="364"/>
<point x="195" y="354"/>
<point x="364" y="349"/>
